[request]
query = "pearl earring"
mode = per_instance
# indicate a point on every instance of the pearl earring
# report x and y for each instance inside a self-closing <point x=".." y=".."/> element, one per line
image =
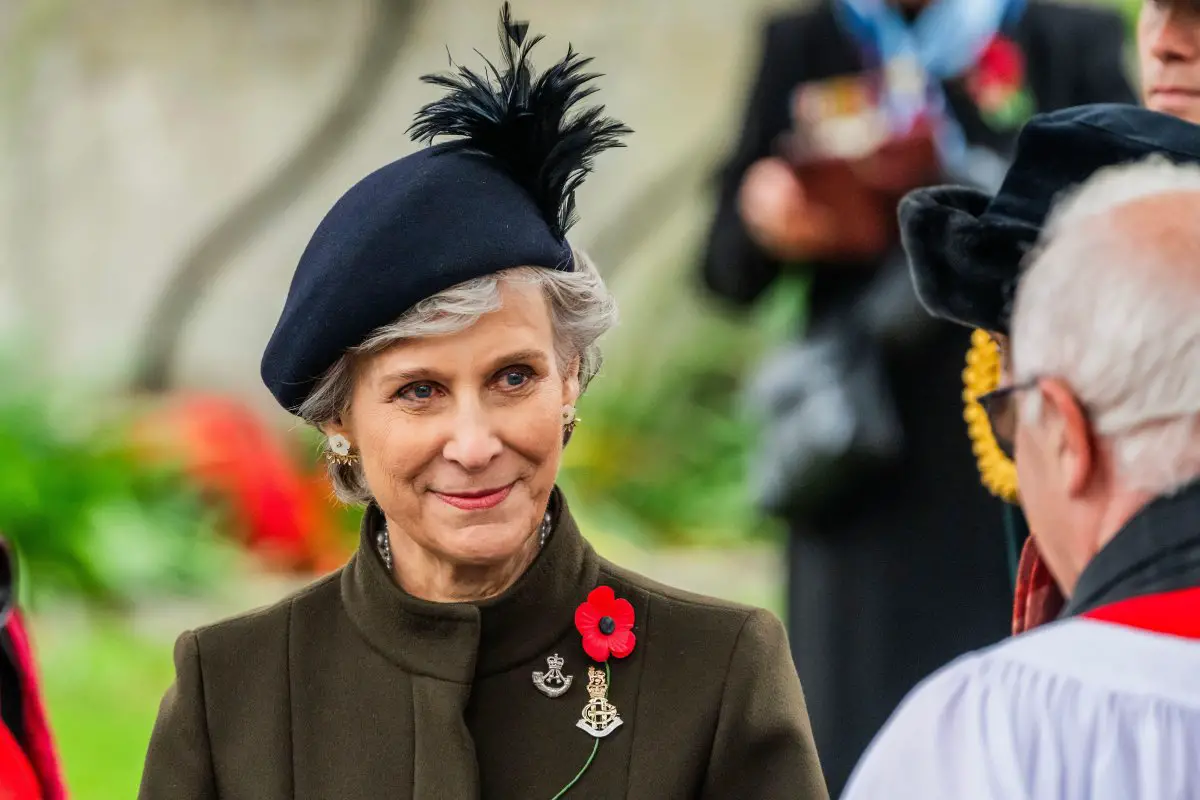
<point x="339" y="450"/>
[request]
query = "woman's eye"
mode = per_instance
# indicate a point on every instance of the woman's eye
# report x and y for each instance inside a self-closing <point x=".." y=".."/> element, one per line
<point x="418" y="391"/>
<point x="515" y="378"/>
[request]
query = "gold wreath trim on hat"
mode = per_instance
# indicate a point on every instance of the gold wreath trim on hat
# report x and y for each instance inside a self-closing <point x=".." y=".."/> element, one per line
<point x="982" y="375"/>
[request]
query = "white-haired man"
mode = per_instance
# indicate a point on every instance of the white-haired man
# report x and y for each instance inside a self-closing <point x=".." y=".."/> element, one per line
<point x="1104" y="413"/>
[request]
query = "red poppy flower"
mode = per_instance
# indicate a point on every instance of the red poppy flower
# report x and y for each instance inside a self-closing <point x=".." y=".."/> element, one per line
<point x="1001" y="63"/>
<point x="606" y="624"/>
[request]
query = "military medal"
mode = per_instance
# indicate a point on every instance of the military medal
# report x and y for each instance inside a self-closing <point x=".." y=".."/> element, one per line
<point x="553" y="683"/>
<point x="600" y="717"/>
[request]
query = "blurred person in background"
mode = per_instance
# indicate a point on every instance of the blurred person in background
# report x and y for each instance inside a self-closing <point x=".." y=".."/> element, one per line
<point x="897" y="556"/>
<point x="439" y="330"/>
<point x="1103" y="415"/>
<point x="29" y="768"/>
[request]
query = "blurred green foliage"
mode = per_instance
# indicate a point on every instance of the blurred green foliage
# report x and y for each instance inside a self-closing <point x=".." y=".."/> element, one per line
<point x="86" y="515"/>
<point x="102" y="684"/>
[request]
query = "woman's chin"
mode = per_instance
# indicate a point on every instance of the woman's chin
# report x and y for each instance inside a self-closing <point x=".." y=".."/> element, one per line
<point x="485" y="543"/>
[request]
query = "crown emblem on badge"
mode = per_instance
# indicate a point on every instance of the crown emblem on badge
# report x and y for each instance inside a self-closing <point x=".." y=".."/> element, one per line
<point x="597" y="686"/>
<point x="552" y="682"/>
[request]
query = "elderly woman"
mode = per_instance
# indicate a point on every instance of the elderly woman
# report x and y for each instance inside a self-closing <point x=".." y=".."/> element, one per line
<point x="439" y="331"/>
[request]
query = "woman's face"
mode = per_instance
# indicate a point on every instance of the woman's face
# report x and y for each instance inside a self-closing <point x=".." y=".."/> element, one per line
<point x="461" y="435"/>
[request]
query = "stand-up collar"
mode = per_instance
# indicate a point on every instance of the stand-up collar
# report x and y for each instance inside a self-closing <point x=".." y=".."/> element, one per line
<point x="1158" y="550"/>
<point x="458" y="641"/>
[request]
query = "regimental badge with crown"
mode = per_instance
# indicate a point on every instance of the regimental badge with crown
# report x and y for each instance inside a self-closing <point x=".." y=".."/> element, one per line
<point x="553" y="683"/>
<point x="600" y="717"/>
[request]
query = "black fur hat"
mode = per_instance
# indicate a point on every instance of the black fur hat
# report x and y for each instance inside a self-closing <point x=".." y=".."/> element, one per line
<point x="965" y="247"/>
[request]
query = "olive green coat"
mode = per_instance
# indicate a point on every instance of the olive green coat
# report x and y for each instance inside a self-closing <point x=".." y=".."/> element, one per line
<point x="354" y="690"/>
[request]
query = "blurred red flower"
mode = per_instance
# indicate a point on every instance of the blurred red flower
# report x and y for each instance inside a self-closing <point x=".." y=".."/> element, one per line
<point x="283" y="513"/>
<point x="1001" y="64"/>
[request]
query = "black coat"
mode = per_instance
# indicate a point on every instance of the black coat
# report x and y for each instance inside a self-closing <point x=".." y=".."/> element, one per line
<point x="913" y="572"/>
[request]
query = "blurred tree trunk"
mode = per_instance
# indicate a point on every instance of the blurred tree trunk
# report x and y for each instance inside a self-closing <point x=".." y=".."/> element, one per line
<point x="383" y="41"/>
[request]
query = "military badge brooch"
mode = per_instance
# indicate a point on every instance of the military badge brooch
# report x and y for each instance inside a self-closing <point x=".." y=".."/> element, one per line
<point x="552" y="682"/>
<point x="605" y="625"/>
<point x="600" y="717"/>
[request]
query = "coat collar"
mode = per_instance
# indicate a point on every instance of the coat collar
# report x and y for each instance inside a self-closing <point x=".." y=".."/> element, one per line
<point x="460" y="641"/>
<point x="1157" y="551"/>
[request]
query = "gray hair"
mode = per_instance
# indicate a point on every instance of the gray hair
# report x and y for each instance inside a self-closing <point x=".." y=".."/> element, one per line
<point x="1097" y="309"/>
<point x="581" y="311"/>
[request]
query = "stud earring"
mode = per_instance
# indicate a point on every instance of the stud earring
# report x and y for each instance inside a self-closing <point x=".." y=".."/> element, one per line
<point x="339" y="450"/>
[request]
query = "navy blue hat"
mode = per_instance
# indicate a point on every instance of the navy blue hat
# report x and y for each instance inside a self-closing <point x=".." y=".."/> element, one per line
<point x="499" y="194"/>
<point x="965" y="247"/>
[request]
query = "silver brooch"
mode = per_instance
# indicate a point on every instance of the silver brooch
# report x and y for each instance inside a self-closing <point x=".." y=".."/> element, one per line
<point x="553" y="683"/>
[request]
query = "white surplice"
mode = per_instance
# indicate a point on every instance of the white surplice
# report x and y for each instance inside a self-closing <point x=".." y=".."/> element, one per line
<point x="1075" y="710"/>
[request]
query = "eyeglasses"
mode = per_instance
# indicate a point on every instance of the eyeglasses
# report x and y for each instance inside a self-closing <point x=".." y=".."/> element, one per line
<point x="1001" y="409"/>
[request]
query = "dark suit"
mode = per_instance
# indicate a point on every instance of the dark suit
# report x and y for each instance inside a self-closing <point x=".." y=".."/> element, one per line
<point x="913" y="572"/>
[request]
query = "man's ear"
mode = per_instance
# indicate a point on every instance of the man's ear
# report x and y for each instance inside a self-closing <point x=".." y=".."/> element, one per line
<point x="1067" y="421"/>
<point x="1003" y="352"/>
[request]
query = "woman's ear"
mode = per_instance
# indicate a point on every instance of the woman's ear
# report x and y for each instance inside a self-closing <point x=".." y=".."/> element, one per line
<point x="334" y="427"/>
<point x="571" y="383"/>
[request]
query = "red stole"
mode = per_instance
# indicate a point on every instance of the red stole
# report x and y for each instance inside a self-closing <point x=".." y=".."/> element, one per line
<point x="39" y="762"/>
<point x="1174" y="613"/>
<point x="1037" y="599"/>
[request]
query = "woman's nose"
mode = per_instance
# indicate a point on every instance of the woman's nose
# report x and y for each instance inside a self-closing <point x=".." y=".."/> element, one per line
<point x="473" y="442"/>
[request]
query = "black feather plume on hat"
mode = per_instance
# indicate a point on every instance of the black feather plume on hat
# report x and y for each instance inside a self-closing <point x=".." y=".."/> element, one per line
<point x="525" y="121"/>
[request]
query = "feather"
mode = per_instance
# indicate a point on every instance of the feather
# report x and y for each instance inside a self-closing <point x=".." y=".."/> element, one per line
<point x="525" y="121"/>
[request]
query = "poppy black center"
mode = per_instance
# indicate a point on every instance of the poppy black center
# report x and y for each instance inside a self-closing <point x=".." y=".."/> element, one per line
<point x="607" y="626"/>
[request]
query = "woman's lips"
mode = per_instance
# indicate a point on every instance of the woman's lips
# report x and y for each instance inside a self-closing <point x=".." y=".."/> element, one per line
<point x="475" y="501"/>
